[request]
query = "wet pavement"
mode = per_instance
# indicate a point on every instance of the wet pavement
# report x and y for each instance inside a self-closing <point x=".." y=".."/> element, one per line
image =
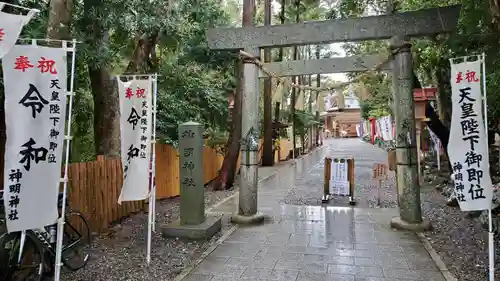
<point x="315" y="243"/>
<point x="309" y="186"/>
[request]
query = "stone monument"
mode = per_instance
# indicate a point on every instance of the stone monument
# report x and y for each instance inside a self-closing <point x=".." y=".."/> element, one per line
<point x="193" y="224"/>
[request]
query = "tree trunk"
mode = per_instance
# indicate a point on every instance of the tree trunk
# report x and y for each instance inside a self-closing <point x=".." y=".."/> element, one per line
<point x="225" y="179"/>
<point x="103" y="84"/>
<point x="267" y="149"/>
<point x="227" y="173"/>
<point x="59" y="19"/>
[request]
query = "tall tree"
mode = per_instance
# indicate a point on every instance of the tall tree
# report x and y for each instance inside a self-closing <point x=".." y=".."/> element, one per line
<point x="267" y="150"/>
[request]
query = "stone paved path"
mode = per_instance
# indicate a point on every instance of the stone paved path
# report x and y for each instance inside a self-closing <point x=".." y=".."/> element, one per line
<point x="315" y="243"/>
<point x="309" y="187"/>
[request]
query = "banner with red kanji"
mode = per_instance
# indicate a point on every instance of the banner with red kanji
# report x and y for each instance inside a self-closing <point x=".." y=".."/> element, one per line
<point x="468" y="145"/>
<point x="11" y="26"/>
<point x="136" y="130"/>
<point x="35" y="118"/>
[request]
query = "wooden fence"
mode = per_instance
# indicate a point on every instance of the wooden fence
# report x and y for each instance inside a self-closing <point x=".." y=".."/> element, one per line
<point x="94" y="187"/>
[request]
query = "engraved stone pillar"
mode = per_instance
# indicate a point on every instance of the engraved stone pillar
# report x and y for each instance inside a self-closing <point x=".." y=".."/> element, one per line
<point x="406" y="151"/>
<point x="247" y="206"/>
<point x="193" y="223"/>
<point x="192" y="187"/>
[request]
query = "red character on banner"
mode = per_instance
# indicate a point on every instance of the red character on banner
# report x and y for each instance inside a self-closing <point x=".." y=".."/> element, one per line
<point x="23" y="63"/>
<point x="47" y="65"/>
<point x="470" y="76"/>
<point x="2" y="34"/>
<point x="128" y="93"/>
<point x="140" y="93"/>
<point x="459" y="77"/>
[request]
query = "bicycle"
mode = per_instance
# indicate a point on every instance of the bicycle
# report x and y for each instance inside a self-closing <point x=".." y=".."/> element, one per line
<point x="30" y="255"/>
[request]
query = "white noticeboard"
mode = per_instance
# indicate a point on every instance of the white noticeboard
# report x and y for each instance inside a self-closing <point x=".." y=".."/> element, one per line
<point x="467" y="148"/>
<point x="339" y="179"/>
<point x="135" y="127"/>
<point x="35" y="113"/>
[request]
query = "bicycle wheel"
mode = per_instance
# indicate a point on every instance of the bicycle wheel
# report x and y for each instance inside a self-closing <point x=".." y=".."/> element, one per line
<point x="76" y="241"/>
<point x="29" y="267"/>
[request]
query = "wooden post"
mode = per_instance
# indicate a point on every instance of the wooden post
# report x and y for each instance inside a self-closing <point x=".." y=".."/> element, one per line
<point x="327" y="177"/>
<point x="379" y="173"/>
<point x="351" y="177"/>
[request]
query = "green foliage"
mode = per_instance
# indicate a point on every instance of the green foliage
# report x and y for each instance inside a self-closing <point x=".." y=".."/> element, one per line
<point x="193" y="81"/>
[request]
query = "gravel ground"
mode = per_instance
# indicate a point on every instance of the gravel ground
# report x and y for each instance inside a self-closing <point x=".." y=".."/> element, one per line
<point x="460" y="241"/>
<point x="121" y="254"/>
<point x="308" y="188"/>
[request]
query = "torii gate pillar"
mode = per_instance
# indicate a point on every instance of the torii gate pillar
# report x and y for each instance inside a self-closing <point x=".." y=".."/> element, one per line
<point x="247" y="207"/>
<point x="406" y="141"/>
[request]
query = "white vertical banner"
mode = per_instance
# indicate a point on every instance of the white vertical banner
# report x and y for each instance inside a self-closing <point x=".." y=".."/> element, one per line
<point x="468" y="148"/>
<point x="35" y="112"/>
<point x="388" y="128"/>
<point x="11" y="26"/>
<point x="135" y="127"/>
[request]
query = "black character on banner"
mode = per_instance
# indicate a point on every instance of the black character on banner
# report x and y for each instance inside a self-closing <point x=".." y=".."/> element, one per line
<point x="51" y="158"/>
<point x="55" y="96"/>
<point x="457" y="169"/>
<point x="133" y="118"/>
<point x="54" y="83"/>
<point x="461" y="197"/>
<point x="52" y="146"/>
<point x="472" y="140"/>
<point x="53" y="133"/>
<point x="55" y="120"/>
<point x="475" y="175"/>
<point x="14" y="201"/>
<point x="469" y="126"/>
<point x="15" y="188"/>
<point x="55" y="109"/>
<point x="132" y="152"/>
<point x="33" y="99"/>
<point x="13" y="215"/>
<point x="15" y="175"/>
<point x="465" y="95"/>
<point x="476" y="192"/>
<point x="472" y="157"/>
<point x="31" y="153"/>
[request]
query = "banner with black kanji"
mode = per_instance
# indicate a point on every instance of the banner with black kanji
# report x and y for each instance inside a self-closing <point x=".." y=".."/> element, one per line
<point x="468" y="147"/>
<point x="135" y="128"/>
<point x="35" y="113"/>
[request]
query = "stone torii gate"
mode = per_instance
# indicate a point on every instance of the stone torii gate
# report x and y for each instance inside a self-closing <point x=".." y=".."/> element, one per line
<point x="398" y="27"/>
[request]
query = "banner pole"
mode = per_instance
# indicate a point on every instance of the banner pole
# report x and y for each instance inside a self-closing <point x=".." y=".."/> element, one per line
<point x="491" y="247"/>
<point x="60" y="221"/>
<point x="152" y="197"/>
<point x="155" y="94"/>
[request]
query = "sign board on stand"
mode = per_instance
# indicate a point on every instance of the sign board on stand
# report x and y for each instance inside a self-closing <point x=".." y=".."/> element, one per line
<point x="338" y="179"/>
